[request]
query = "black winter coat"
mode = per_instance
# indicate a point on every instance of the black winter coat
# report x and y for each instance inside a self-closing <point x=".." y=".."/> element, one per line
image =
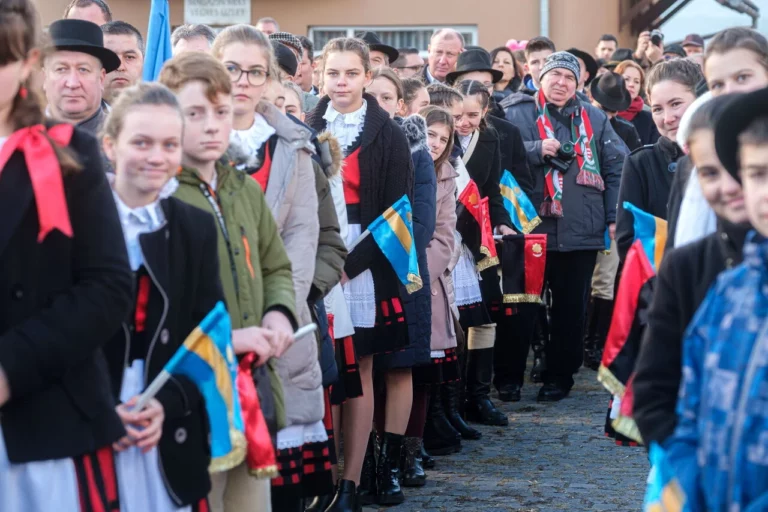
<point x="645" y="127"/>
<point x="645" y="182"/>
<point x="676" y="194"/>
<point x="587" y="211"/>
<point x="484" y="167"/>
<point x="60" y="301"/>
<point x="683" y="281"/>
<point x="627" y="132"/>
<point x="418" y="305"/>
<point x="183" y="263"/>
<point x="512" y="149"/>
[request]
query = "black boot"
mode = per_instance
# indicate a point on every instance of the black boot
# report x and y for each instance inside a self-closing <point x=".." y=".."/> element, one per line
<point x="427" y="460"/>
<point x="366" y="491"/>
<point x="440" y="438"/>
<point x="412" y="466"/>
<point x="345" y="499"/>
<point x="319" y="503"/>
<point x="479" y="407"/>
<point x="388" y="487"/>
<point x="590" y="335"/>
<point x="540" y="339"/>
<point x="604" y="313"/>
<point x="450" y="394"/>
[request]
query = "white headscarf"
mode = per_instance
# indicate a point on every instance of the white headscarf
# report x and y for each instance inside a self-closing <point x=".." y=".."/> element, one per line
<point x="695" y="219"/>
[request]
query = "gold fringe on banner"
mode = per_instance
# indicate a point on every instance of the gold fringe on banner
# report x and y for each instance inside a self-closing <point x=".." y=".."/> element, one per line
<point x="610" y="382"/>
<point x="234" y="458"/>
<point x="522" y="298"/>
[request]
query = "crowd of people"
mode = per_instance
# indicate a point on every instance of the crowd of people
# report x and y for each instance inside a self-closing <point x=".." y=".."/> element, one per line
<point x="249" y="172"/>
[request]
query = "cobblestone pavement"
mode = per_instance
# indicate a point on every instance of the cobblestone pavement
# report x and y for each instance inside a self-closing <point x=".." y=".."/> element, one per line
<point x="551" y="457"/>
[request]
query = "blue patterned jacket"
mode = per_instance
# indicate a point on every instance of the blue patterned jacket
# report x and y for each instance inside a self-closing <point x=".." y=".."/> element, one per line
<point x="720" y="447"/>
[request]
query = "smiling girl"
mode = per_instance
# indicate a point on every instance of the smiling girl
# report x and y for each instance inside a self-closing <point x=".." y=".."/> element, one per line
<point x="173" y="254"/>
<point x="378" y="171"/>
<point x="648" y="172"/>
<point x="634" y="80"/>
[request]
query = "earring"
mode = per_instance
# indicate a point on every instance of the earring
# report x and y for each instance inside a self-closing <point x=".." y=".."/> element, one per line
<point x="23" y="92"/>
<point x="178" y="171"/>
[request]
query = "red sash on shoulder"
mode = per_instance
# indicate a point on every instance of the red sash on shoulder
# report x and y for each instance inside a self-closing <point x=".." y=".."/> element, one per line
<point x="262" y="175"/>
<point x="352" y="177"/>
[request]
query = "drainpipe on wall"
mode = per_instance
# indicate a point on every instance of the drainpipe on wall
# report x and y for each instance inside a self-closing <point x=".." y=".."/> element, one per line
<point x="544" y="18"/>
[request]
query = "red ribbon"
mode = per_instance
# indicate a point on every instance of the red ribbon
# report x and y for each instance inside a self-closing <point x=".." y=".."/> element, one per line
<point x="261" y="454"/>
<point x="44" y="173"/>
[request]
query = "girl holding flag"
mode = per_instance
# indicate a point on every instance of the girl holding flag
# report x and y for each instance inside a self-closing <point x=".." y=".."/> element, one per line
<point x="162" y="463"/>
<point x="378" y="172"/>
<point x="66" y="286"/>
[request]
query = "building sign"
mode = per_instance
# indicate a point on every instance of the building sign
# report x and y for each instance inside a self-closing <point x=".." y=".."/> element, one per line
<point x="217" y="12"/>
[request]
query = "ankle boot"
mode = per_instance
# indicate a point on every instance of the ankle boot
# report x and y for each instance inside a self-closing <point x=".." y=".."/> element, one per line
<point x="412" y="466"/>
<point x="440" y="438"/>
<point x="366" y="491"/>
<point x="388" y="487"/>
<point x="345" y="499"/>
<point x="450" y="395"/>
<point x="590" y="334"/>
<point x="604" y="313"/>
<point x="319" y="503"/>
<point x="480" y="409"/>
<point x="540" y="339"/>
<point x="426" y="459"/>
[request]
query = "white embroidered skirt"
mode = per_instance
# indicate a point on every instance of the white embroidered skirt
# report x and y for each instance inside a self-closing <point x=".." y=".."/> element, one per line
<point x="359" y="292"/>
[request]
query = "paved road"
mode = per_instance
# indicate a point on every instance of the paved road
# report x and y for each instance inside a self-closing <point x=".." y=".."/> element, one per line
<point x="551" y="457"/>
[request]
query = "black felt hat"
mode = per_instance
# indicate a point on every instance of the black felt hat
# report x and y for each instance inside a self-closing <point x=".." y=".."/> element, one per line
<point x="589" y="62"/>
<point x="735" y="118"/>
<point x="375" y="44"/>
<point x="473" y="60"/>
<point x="610" y="91"/>
<point x="83" y="37"/>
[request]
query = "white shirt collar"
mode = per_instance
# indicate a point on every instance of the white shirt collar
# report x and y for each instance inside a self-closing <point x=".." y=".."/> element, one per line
<point x="355" y="118"/>
<point x="150" y="215"/>
<point x="255" y="136"/>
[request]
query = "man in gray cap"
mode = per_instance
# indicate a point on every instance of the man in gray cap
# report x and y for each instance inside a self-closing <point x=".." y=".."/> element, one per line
<point x="576" y="158"/>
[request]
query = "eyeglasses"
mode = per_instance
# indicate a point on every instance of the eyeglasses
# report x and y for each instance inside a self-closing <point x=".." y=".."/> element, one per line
<point x="255" y="77"/>
<point x="414" y="69"/>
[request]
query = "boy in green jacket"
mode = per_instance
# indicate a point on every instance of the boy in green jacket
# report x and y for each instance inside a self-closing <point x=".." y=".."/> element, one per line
<point x="254" y="267"/>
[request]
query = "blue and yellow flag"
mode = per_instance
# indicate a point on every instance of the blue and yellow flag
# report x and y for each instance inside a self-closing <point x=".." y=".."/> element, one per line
<point x="652" y="233"/>
<point x="663" y="493"/>
<point x="393" y="232"/>
<point x="520" y="208"/>
<point x="208" y="359"/>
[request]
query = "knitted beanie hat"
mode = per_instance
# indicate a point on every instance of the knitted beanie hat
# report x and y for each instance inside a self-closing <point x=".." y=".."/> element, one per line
<point x="563" y="60"/>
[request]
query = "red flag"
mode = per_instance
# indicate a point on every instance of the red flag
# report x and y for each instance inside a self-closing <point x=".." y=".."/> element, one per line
<point x="487" y="243"/>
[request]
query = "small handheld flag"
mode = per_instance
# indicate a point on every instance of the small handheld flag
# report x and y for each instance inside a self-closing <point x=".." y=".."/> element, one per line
<point x="207" y="358"/>
<point x="520" y="208"/>
<point x="487" y="243"/>
<point x="393" y="232"/>
<point x="652" y="233"/>
<point x="158" y="44"/>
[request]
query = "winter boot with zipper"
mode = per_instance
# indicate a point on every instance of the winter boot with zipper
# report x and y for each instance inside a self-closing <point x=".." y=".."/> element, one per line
<point x="440" y="438"/>
<point x="479" y="407"/>
<point x="366" y="491"/>
<point x="388" y="490"/>
<point x="451" y="400"/>
<point x="412" y="466"/>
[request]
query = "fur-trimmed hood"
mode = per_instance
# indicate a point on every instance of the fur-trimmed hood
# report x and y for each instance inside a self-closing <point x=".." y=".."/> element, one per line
<point x="415" y="129"/>
<point x="331" y="156"/>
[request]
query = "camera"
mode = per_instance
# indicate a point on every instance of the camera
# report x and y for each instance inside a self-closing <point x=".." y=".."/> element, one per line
<point x="562" y="161"/>
<point x="657" y="37"/>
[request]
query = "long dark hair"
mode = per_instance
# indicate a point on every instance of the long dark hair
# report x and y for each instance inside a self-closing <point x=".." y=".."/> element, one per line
<point x="19" y="36"/>
<point x="516" y="80"/>
<point x="433" y="115"/>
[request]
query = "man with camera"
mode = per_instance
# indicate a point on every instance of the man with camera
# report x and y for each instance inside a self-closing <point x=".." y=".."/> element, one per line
<point x="650" y="48"/>
<point x="576" y="158"/>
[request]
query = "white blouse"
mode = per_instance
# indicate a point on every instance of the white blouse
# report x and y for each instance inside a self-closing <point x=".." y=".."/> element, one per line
<point x="345" y="127"/>
<point x="255" y="136"/>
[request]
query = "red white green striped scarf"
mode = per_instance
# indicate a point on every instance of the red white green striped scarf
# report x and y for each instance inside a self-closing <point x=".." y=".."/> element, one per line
<point x="586" y="153"/>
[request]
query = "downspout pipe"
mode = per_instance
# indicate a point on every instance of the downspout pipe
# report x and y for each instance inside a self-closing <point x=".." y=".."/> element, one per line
<point x="544" y="18"/>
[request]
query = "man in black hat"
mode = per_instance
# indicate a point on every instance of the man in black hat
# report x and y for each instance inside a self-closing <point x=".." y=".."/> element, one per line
<point x="611" y="96"/>
<point x="576" y="158"/>
<point x="475" y="64"/>
<point x="75" y="71"/>
<point x="382" y="55"/>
